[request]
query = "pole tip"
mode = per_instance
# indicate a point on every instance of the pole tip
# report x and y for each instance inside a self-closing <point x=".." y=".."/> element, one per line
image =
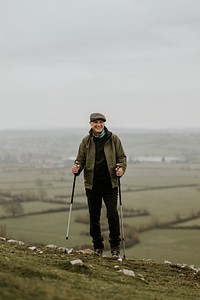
<point x="66" y="237"/>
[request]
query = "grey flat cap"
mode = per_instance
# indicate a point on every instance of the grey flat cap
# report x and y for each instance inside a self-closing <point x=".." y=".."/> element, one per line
<point x="97" y="116"/>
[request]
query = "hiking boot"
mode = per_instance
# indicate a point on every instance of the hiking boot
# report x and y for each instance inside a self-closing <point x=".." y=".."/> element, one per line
<point x="115" y="252"/>
<point x="98" y="252"/>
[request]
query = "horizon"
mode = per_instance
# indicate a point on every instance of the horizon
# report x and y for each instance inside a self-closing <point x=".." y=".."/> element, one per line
<point x="109" y="127"/>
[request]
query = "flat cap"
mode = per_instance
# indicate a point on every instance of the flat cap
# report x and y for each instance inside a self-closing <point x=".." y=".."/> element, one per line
<point x="97" y="116"/>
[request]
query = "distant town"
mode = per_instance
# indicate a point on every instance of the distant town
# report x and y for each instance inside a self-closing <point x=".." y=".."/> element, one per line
<point x="57" y="148"/>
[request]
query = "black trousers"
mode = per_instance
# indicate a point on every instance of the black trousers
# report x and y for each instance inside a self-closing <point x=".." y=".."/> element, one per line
<point x="109" y="196"/>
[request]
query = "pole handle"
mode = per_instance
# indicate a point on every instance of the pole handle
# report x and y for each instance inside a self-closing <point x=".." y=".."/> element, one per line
<point x="120" y="194"/>
<point x="73" y="187"/>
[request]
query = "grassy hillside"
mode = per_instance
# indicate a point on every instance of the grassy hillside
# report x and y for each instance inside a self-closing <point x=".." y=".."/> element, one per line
<point x="47" y="273"/>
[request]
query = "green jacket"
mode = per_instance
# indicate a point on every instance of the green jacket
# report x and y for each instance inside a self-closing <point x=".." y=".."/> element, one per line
<point x="114" y="154"/>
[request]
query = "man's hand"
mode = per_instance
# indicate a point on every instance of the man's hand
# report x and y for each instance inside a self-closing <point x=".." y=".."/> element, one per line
<point x="119" y="171"/>
<point x="75" y="168"/>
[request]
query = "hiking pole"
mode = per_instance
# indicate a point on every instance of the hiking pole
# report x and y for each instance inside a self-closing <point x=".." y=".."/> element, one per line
<point x="121" y="217"/>
<point x="70" y="207"/>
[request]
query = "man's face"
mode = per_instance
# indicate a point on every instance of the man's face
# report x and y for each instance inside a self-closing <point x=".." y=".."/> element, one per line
<point x="97" y="126"/>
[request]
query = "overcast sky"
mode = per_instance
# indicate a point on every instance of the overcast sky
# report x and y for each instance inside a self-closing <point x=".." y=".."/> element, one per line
<point x="136" y="61"/>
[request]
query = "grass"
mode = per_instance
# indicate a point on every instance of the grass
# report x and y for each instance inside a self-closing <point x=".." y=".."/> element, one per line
<point x="35" y="206"/>
<point x="27" y="274"/>
<point x="189" y="223"/>
<point x="164" y="205"/>
<point x="47" y="228"/>
<point x="177" y="246"/>
<point x="160" y="244"/>
<point x="55" y="182"/>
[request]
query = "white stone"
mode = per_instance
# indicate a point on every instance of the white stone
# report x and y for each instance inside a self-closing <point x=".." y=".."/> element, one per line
<point x="51" y="246"/>
<point x="33" y="248"/>
<point x="63" y="249"/>
<point x="69" y="251"/>
<point x="141" y="277"/>
<point x="167" y="262"/>
<point x="116" y="267"/>
<point x="76" y="262"/>
<point x="16" y="242"/>
<point x="128" y="272"/>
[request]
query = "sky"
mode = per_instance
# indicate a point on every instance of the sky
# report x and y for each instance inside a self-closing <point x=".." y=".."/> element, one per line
<point x="135" y="61"/>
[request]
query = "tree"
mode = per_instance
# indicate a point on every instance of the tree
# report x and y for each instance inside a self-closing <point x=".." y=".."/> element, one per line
<point x="13" y="208"/>
<point x="42" y="193"/>
<point x="39" y="182"/>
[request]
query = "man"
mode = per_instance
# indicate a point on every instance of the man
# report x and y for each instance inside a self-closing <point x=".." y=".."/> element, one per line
<point x="102" y="157"/>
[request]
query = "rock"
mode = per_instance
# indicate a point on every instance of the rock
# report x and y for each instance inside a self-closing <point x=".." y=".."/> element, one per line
<point x="192" y="267"/>
<point x="76" y="262"/>
<point x="2" y="238"/>
<point x="15" y="242"/>
<point x="33" y="248"/>
<point x="66" y="250"/>
<point x="127" y="272"/>
<point x="141" y="277"/>
<point x="63" y="249"/>
<point x="51" y="246"/>
<point x="120" y="259"/>
<point x="116" y="267"/>
<point x="69" y="251"/>
<point x="181" y="265"/>
<point x="85" y="251"/>
<point x="167" y="262"/>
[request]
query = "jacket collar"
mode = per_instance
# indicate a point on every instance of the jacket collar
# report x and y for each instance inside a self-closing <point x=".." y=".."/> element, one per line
<point x="108" y="133"/>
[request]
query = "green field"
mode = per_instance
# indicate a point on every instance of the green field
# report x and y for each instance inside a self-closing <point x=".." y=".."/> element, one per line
<point x="167" y="191"/>
<point x="176" y="246"/>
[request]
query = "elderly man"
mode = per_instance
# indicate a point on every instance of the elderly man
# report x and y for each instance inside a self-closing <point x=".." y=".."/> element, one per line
<point x="102" y="157"/>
